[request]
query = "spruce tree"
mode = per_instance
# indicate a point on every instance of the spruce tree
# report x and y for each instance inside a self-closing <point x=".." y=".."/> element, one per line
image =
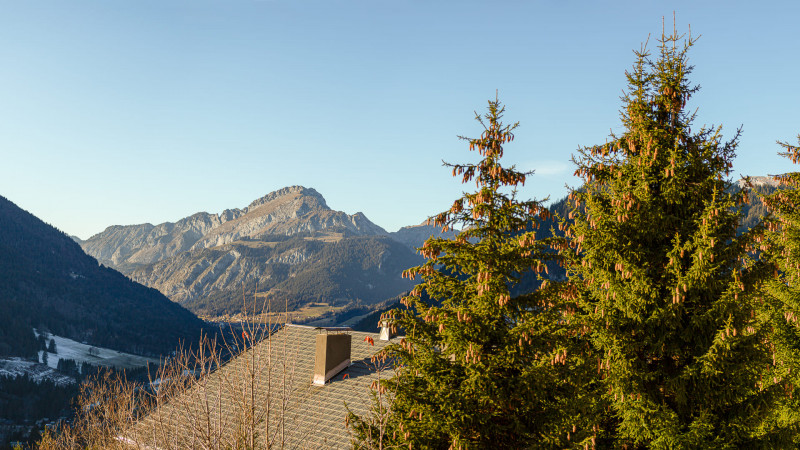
<point x="782" y="293"/>
<point x="669" y="292"/>
<point x="479" y="367"/>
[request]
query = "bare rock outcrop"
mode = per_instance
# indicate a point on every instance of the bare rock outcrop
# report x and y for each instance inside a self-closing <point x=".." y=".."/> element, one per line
<point x="287" y="211"/>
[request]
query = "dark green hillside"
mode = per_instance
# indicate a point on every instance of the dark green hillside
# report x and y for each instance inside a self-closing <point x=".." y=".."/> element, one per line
<point x="48" y="282"/>
<point x="370" y="323"/>
<point x="363" y="267"/>
<point x="22" y="398"/>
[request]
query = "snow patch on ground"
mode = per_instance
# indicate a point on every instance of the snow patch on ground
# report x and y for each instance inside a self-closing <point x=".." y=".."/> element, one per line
<point x="98" y="356"/>
<point x="69" y="349"/>
<point x="13" y="367"/>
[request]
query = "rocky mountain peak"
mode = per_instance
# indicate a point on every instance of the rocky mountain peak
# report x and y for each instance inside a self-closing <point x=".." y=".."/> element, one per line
<point x="287" y="211"/>
<point x="290" y="191"/>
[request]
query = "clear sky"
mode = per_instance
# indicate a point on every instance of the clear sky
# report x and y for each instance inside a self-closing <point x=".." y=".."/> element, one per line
<point x="140" y="111"/>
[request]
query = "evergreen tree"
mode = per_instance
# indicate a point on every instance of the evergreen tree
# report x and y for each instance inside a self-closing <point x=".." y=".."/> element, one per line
<point x="670" y="293"/>
<point x="42" y="339"/>
<point x="782" y="293"/>
<point x="478" y="367"/>
<point x="44" y="357"/>
<point x="68" y="367"/>
<point x="52" y="346"/>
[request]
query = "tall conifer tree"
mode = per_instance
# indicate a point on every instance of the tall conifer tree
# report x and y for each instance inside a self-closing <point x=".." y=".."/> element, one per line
<point x="670" y="293"/>
<point x="782" y="293"/>
<point x="478" y="367"/>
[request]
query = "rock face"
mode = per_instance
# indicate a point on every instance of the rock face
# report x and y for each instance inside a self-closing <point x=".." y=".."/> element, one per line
<point x="127" y="247"/>
<point x="288" y="211"/>
<point x="288" y="244"/>
<point x="292" y="272"/>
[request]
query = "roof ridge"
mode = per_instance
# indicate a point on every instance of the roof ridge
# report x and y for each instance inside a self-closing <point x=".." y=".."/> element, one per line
<point x="294" y="325"/>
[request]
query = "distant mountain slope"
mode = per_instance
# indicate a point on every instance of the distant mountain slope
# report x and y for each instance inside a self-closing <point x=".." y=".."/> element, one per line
<point x="296" y="270"/>
<point x="416" y="235"/>
<point x="290" y="242"/>
<point x="767" y="182"/>
<point x="47" y="281"/>
<point x="287" y="211"/>
<point x="128" y="247"/>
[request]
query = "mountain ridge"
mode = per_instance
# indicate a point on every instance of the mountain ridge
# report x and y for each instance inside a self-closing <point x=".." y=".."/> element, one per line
<point x="415" y="235"/>
<point x="289" y="243"/>
<point x="285" y="211"/>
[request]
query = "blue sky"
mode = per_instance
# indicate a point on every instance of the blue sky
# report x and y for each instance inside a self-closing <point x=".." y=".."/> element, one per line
<point x="148" y="111"/>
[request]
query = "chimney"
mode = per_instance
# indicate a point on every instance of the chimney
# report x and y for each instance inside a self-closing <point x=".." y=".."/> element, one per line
<point x="387" y="331"/>
<point x="333" y="353"/>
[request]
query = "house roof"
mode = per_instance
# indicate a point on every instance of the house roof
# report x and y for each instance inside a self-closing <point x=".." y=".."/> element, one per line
<point x="275" y="375"/>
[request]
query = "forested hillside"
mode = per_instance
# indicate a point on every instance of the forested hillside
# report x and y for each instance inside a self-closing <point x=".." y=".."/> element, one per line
<point x="48" y="282"/>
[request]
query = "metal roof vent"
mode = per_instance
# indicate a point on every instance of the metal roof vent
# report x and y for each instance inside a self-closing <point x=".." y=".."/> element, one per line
<point x="333" y="353"/>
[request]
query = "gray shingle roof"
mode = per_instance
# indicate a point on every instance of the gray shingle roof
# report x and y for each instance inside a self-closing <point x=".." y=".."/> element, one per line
<point x="275" y="375"/>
